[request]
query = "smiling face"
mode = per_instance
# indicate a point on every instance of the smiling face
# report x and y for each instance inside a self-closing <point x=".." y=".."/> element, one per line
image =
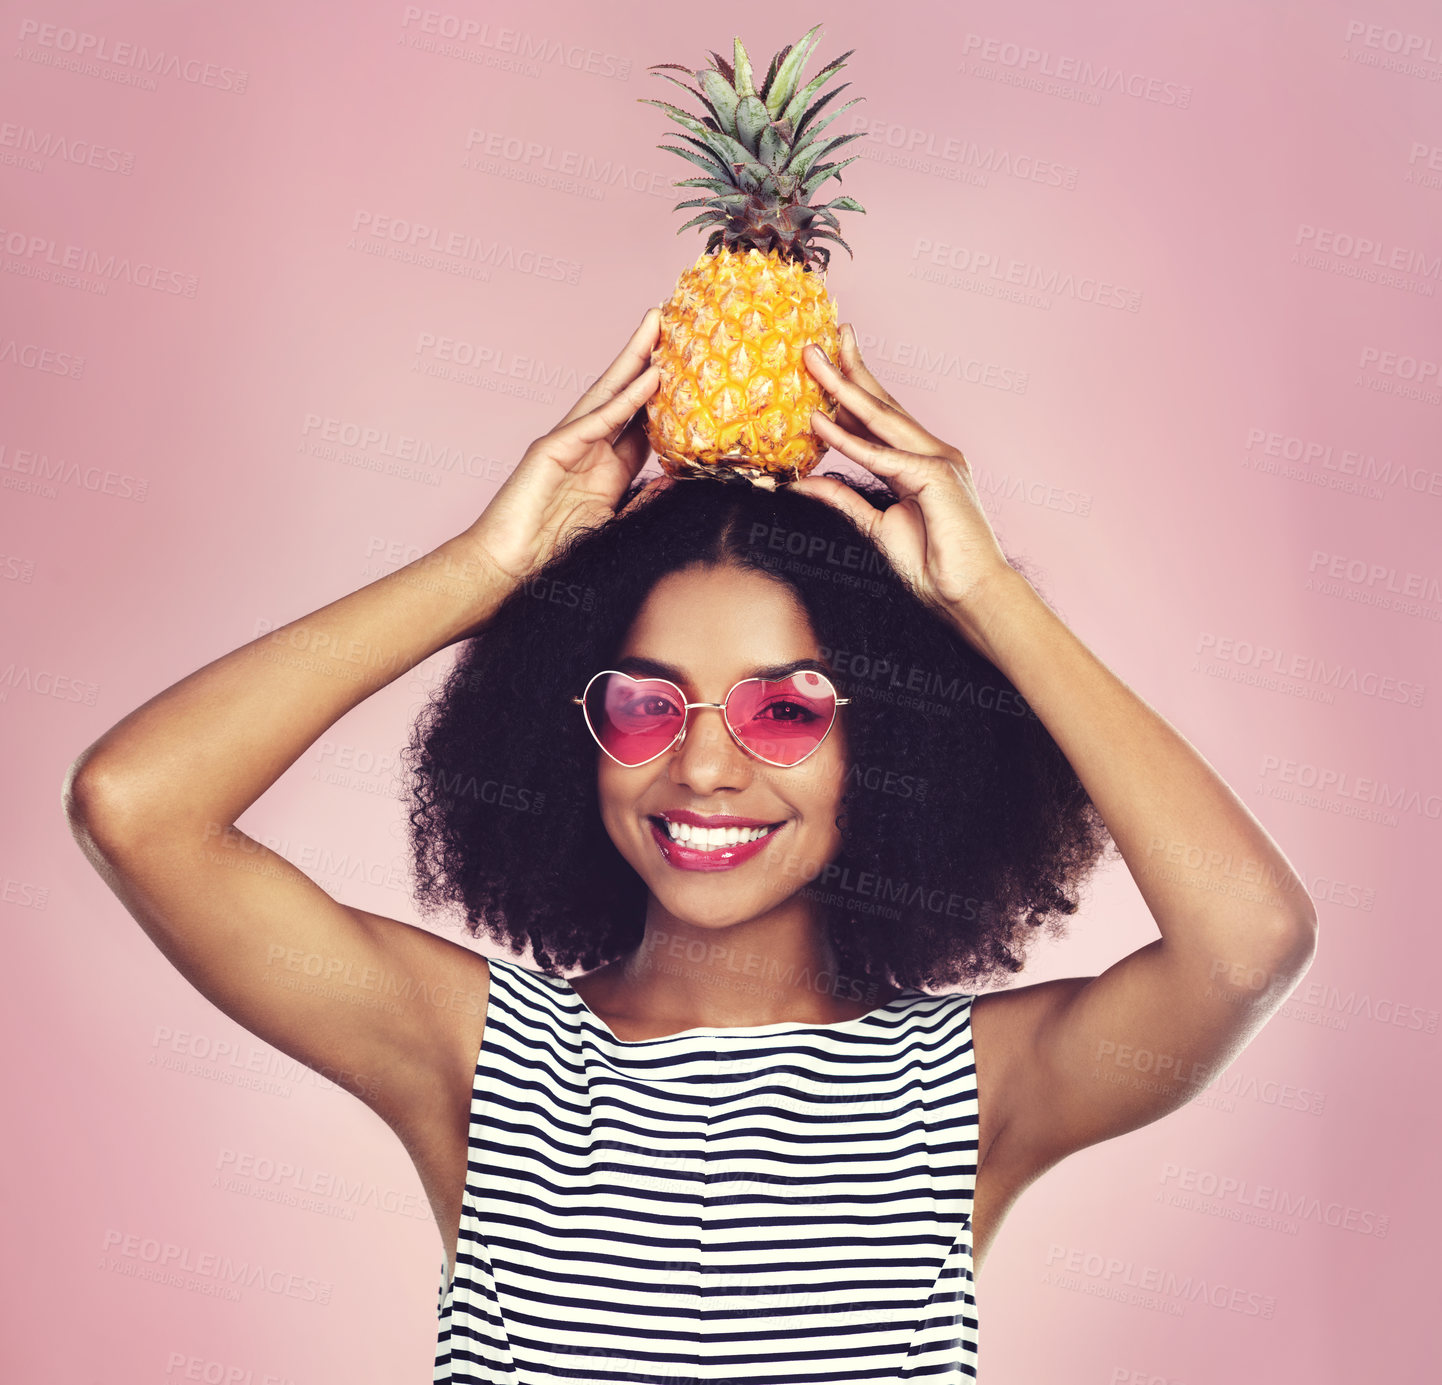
<point x="715" y="626"/>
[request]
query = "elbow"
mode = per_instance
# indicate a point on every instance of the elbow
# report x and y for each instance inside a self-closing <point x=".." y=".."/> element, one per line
<point x="93" y="798"/>
<point x="1294" y="941"/>
<point x="85" y="789"/>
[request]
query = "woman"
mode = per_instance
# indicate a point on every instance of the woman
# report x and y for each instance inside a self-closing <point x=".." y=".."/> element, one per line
<point x="745" y="1143"/>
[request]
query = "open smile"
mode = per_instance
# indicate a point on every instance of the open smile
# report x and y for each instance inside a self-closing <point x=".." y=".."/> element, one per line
<point x="689" y="847"/>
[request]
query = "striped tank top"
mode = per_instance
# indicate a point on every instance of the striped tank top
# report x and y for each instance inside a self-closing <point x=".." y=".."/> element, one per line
<point x="784" y="1204"/>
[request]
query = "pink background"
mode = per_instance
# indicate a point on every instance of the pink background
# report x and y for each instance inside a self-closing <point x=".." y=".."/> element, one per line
<point x="1229" y="447"/>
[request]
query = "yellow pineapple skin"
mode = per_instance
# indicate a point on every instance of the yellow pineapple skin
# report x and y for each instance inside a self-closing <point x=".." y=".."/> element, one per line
<point x="735" y="394"/>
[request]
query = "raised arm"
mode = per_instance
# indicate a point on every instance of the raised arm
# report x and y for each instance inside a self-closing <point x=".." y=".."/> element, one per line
<point x="1097" y="1056"/>
<point x="386" y="1009"/>
<point x="1081" y="1059"/>
<point x="154" y="801"/>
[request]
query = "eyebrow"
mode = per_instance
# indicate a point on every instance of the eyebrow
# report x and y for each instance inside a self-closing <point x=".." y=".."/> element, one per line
<point x="654" y="668"/>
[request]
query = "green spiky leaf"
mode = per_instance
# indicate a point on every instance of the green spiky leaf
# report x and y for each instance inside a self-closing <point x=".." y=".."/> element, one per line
<point x="813" y="150"/>
<point x="825" y="171"/>
<point x="713" y="184"/>
<point x="710" y="165"/>
<point x="774" y="150"/>
<point x="718" y="140"/>
<point x="709" y="150"/>
<point x="817" y="106"/>
<point x="728" y="201"/>
<point x="802" y="99"/>
<point x="722" y="96"/>
<point x="684" y="87"/>
<point x="763" y="153"/>
<point x="751" y="176"/>
<point x="751" y="120"/>
<point x="832" y="145"/>
<point x="820" y="125"/>
<point x="831" y="235"/>
<point x="742" y="80"/>
<point x="801" y="160"/>
<point x="789" y="73"/>
<point x="697" y="221"/>
<point x="776" y="60"/>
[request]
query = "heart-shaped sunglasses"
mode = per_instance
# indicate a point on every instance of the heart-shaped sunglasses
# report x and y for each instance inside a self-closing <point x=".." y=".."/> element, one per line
<point x="779" y="721"/>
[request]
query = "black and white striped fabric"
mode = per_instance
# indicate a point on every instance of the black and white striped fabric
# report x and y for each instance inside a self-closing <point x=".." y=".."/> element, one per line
<point x="784" y="1204"/>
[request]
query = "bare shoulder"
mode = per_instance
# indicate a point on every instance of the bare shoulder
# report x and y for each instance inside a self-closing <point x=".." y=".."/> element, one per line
<point x="453" y="979"/>
<point x="1004" y="1027"/>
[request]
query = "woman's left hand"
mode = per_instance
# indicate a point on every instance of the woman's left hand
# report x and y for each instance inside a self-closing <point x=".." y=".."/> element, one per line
<point x="936" y="534"/>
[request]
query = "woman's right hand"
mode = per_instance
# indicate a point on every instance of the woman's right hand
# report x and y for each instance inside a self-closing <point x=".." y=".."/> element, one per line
<point x="575" y="475"/>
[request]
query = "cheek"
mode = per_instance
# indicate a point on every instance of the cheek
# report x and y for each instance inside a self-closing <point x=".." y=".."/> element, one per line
<point x="618" y="792"/>
<point x="823" y="789"/>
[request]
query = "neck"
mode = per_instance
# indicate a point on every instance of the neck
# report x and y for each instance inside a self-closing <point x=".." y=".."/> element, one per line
<point x="768" y="970"/>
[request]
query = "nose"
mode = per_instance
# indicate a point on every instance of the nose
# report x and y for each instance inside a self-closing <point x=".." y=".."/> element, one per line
<point x="708" y="758"/>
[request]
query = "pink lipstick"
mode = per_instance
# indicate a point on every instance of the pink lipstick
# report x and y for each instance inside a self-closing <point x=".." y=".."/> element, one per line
<point x="686" y="857"/>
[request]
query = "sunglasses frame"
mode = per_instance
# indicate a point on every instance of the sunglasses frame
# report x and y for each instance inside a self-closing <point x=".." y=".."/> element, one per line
<point x="720" y="706"/>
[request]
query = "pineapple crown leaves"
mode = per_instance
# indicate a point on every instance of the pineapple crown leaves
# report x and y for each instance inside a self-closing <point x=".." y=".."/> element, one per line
<point x="762" y="151"/>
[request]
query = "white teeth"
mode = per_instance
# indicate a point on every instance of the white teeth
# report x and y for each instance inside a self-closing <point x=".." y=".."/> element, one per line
<point x="711" y="838"/>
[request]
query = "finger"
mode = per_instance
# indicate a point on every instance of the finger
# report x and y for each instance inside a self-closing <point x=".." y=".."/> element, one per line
<point x="897" y="468"/>
<point x="632" y="445"/>
<point x="607" y="419"/>
<point x="890" y="425"/>
<point x="854" y="368"/>
<point x="852" y="424"/>
<point x="634" y="358"/>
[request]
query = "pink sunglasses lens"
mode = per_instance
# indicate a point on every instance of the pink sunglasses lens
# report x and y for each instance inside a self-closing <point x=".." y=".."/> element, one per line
<point x="634" y="719"/>
<point x="783" y="720"/>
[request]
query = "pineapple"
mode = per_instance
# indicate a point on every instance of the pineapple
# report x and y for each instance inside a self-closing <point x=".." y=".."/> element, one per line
<point x="735" y="394"/>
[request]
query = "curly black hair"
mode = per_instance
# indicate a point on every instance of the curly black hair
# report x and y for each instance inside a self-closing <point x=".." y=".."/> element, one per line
<point x="965" y="830"/>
